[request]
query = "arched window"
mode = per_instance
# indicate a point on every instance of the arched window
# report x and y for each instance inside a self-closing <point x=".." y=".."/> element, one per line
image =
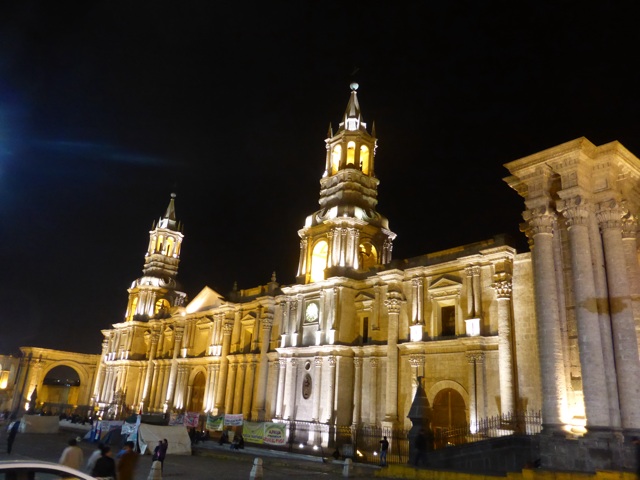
<point x="163" y="303"/>
<point x="336" y="154"/>
<point x="159" y="244"/>
<point x="132" y="308"/>
<point x="367" y="256"/>
<point x="169" y="246"/>
<point x="364" y="159"/>
<point x="351" y="153"/>
<point x="319" y="261"/>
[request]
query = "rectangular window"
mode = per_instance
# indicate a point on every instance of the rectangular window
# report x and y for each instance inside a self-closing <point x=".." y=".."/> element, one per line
<point x="448" y="319"/>
<point x="365" y="330"/>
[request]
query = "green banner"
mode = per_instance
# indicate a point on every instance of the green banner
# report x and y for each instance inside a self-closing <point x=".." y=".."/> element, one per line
<point x="215" y="422"/>
<point x="253" y="432"/>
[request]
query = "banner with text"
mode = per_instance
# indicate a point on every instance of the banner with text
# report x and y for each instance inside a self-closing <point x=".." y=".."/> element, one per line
<point x="253" y="432"/>
<point x="233" y="420"/>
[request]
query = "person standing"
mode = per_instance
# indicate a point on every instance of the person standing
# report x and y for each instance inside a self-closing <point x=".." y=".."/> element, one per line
<point x="93" y="458"/>
<point x="13" y="431"/>
<point x="72" y="456"/>
<point x="127" y="463"/>
<point x="384" y="448"/>
<point x="159" y="454"/>
<point x="105" y="465"/>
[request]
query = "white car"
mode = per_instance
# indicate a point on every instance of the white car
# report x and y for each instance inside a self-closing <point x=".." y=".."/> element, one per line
<point x="35" y="470"/>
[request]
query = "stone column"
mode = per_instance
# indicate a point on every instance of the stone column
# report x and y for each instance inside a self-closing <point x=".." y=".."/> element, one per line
<point x="247" y="394"/>
<point x="502" y="286"/>
<point x="317" y="362"/>
<point x="174" y="364"/>
<point x="596" y="398"/>
<point x="231" y="384"/>
<point x="477" y="292"/>
<point x="332" y="390"/>
<point x="290" y="389"/>
<point x="100" y="371"/>
<point x="155" y="336"/>
<point x="417" y="364"/>
<point x="541" y="223"/>
<point x="394" y="304"/>
<point x="239" y="390"/>
<point x="373" y="391"/>
<point x="481" y="389"/>
<point x="281" y="376"/>
<point x="357" y="391"/>
<point x="258" y="413"/>
<point x="473" y="394"/>
<point x="625" y="342"/>
<point x="227" y="328"/>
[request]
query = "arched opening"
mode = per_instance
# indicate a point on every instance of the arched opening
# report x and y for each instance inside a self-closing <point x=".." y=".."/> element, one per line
<point x="336" y="154"/>
<point x="367" y="256"/>
<point x="161" y="309"/>
<point x="59" y="391"/>
<point x="132" y="308"/>
<point x="449" y="418"/>
<point x="159" y="244"/>
<point x="364" y="159"/>
<point x="197" y="393"/>
<point x="319" y="261"/>
<point x="169" y="246"/>
<point x="351" y="153"/>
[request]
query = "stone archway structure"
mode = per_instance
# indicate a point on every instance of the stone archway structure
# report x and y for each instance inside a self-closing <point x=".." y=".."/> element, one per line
<point x="37" y="362"/>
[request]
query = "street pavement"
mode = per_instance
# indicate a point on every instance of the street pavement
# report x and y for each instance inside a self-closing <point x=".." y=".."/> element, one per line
<point x="209" y="460"/>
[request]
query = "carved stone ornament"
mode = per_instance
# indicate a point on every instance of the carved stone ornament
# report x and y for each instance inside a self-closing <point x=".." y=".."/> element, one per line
<point x="306" y="386"/>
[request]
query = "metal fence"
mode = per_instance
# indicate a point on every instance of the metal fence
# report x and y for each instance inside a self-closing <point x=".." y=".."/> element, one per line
<point x="362" y="443"/>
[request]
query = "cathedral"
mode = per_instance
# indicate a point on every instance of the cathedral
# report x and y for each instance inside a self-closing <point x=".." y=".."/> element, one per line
<point x="483" y="329"/>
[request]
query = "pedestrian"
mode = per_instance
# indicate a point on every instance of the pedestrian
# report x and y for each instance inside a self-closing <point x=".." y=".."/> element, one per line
<point x="420" y="448"/>
<point x="384" y="447"/>
<point x="72" y="455"/>
<point x="159" y="454"/>
<point x="13" y="428"/>
<point x="105" y="466"/>
<point x="126" y="465"/>
<point x="93" y="458"/>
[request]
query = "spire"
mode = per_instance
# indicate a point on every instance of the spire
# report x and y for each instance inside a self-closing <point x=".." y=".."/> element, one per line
<point x="352" y="116"/>
<point x="169" y="219"/>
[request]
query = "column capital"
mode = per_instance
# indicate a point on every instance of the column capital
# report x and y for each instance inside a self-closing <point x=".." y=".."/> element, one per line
<point x="267" y="321"/>
<point x="394" y="302"/>
<point x="477" y="357"/>
<point x="575" y="210"/>
<point x="539" y="221"/>
<point x="502" y="284"/>
<point x="630" y="226"/>
<point x="227" y="328"/>
<point x="416" y="360"/>
<point x="357" y="362"/>
<point x="332" y="360"/>
<point x="317" y="361"/>
<point x="609" y="215"/>
<point x="374" y="362"/>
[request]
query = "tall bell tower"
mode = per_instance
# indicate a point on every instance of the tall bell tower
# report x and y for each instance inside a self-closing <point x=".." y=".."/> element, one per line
<point x="153" y="295"/>
<point x="347" y="236"/>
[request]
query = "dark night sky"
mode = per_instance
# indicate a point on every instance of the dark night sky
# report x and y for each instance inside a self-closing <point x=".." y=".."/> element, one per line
<point x="108" y="107"/>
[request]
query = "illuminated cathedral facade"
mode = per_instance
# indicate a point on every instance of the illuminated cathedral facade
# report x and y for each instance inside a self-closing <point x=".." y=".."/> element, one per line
<point x="485" y="330"/>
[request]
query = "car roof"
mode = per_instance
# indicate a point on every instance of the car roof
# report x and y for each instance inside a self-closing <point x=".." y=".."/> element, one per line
<point x="30" y="464"/>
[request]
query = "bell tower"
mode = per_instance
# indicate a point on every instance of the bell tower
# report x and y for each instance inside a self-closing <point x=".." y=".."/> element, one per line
<point x="347" y="236"/>
<point x="153" y="295"/>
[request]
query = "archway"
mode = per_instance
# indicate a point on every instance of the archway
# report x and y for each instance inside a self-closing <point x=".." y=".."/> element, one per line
<point x="59" y="391"/>
<point x="197" y="393"/>
<point x="449" y="417"/>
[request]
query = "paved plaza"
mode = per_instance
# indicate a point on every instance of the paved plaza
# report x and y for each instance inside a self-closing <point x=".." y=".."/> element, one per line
<point x="208" y="462"/>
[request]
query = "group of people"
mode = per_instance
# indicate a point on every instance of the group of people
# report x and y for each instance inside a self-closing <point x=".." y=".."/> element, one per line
<point x="101" y="463"/>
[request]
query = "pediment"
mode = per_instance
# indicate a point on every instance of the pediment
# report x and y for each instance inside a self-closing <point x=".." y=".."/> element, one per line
<point x="364" y="299"/>
<point x="445" y="282"/>
<point x="249" y="317"/>
<point x="207" y="299"/>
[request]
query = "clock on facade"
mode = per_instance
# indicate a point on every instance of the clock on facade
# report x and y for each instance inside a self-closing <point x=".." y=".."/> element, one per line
<point x="311" y="313"/>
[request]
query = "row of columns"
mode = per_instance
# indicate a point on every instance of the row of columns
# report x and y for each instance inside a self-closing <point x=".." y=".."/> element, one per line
<point x="607" y="338"/>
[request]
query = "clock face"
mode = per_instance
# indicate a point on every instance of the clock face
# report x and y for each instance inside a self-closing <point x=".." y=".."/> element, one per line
<point x="311" y="313"/>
